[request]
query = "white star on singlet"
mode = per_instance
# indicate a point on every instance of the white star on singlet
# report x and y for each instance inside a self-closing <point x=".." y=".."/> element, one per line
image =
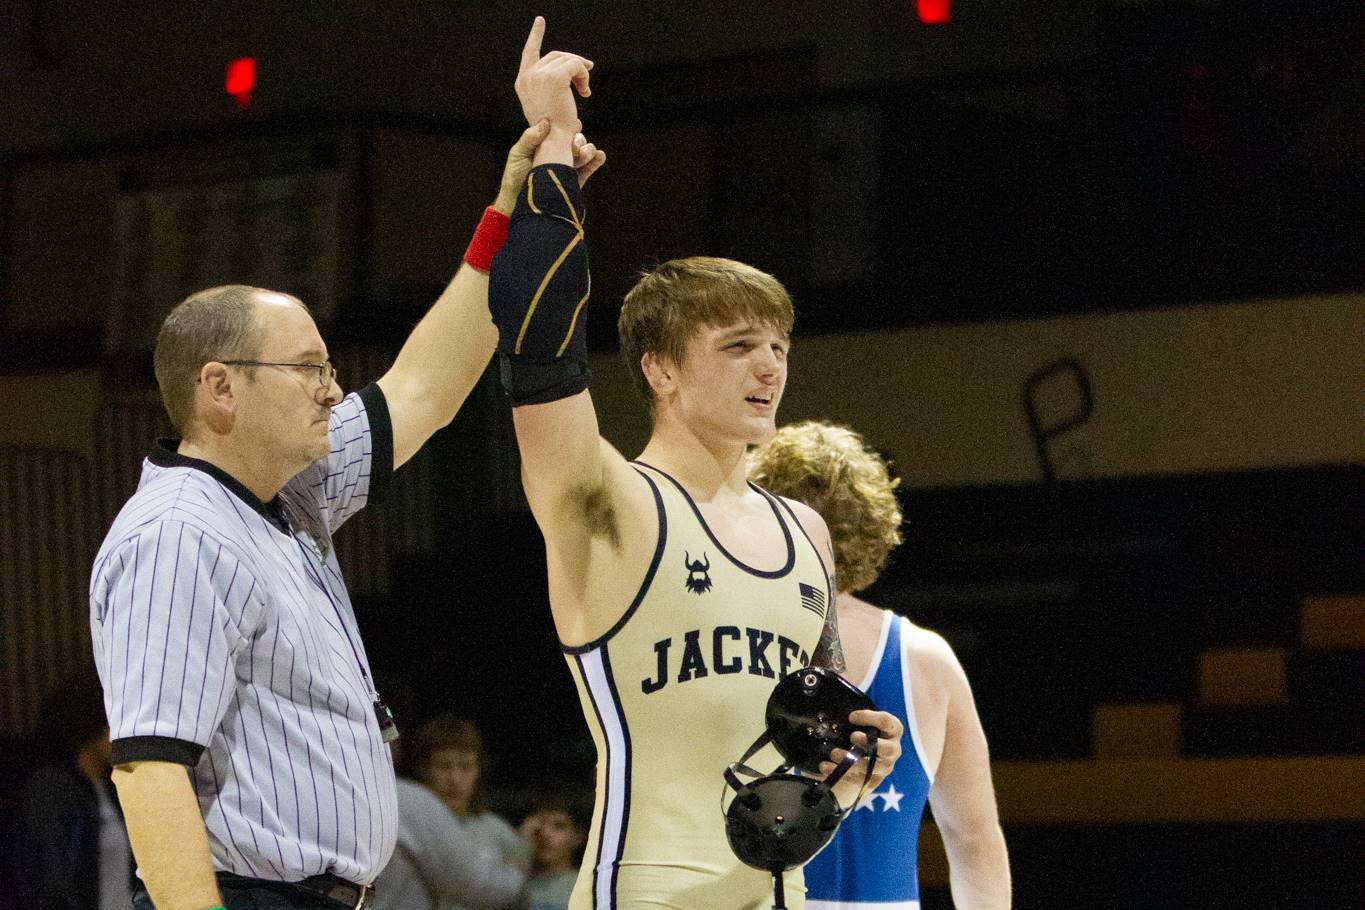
<point x="891" y="799"/>
<point x="867" y="803"/>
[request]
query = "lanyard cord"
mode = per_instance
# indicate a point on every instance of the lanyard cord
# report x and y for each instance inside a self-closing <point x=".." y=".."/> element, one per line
<point x="341" y="620"/>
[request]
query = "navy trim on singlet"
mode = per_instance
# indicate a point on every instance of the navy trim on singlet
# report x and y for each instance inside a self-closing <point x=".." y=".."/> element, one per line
<point x="777" y="513"/>
<point x="625" y="805"/>
<point x="610" y="759"/>
<point x="829" y="582"/>
<point x="644" y="585"/>
<point x="606" y="791"/>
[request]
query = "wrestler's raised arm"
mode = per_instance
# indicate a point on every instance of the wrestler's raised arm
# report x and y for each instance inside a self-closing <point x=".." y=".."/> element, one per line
<point x="592" y="507"/>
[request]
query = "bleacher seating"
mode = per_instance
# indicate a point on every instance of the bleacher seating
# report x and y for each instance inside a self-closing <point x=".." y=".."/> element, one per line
<point x="1176" y="708"/>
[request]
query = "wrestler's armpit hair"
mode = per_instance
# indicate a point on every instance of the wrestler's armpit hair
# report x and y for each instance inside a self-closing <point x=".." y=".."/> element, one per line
<point x="832" y="470"/>
<point x="214" y="324"/>
<point x="674" y="301"/>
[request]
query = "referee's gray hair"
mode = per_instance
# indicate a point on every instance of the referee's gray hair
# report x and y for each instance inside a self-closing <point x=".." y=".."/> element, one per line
<point x="214" y="324"/>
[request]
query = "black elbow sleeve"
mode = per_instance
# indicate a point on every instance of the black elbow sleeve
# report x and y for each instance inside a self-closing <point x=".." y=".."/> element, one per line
<point x="538" y="291"/>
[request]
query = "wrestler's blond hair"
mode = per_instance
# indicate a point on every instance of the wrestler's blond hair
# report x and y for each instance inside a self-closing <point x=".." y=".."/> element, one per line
<point x="833" y="471"/>
<point x="674" y="301"/>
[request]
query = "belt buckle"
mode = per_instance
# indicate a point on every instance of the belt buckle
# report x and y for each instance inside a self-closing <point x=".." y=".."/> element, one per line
<point x="349" y="895"/>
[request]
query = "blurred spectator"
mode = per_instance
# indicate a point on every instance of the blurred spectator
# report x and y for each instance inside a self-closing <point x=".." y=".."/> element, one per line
<point x="452" y="853"/>
<point x="557" y="830"/>
<point x="72" y="847"/>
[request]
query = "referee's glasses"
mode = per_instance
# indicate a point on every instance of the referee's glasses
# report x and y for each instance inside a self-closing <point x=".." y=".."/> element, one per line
<point x="325" y="371"/>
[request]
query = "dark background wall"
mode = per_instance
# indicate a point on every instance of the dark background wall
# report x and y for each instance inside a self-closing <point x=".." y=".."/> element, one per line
<point x="934" y="196"/>
<point x="1026" y="158"/>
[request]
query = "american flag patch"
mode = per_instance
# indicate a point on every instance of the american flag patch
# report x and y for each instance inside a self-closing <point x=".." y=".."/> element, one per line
<point x="813" y="599"/>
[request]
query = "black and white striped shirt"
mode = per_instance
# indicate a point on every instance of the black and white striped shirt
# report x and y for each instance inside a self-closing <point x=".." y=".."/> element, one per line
<point x="226" y="642"/>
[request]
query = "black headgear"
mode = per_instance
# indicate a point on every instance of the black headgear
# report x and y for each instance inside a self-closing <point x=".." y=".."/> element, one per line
<point x="779" y="821"/>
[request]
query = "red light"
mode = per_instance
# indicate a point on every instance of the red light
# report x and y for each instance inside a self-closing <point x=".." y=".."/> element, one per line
<point x="934" y="12"/>
<point x="241" y="79"/>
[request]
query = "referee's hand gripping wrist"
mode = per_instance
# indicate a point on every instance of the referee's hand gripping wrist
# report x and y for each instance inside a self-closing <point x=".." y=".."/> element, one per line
<point x="519" y="159"/>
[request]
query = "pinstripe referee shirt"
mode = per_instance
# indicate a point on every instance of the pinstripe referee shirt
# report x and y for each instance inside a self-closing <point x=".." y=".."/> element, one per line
<point x="226" y="642"/>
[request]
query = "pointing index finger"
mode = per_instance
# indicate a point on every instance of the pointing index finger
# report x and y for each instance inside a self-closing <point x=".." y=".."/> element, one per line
<point x="531" y="52"/>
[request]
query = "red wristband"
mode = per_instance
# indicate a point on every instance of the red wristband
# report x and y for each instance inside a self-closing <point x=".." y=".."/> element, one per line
<point x="488" y="238"/>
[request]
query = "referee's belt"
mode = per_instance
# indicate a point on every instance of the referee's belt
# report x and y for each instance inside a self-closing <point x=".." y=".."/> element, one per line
<point x="331" y="890"/>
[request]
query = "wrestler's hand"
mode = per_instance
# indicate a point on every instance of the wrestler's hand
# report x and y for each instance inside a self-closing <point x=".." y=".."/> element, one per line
<point x="890" y="730"/>
<point x="545" y="85"/>
<point x="587" y="158"/>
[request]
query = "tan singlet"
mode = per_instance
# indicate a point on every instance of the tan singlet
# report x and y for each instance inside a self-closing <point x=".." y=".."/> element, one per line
<point x="673" y="693"/>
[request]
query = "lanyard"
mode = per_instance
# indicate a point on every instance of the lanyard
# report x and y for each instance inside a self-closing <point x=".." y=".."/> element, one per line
<point x="388" y="729"/>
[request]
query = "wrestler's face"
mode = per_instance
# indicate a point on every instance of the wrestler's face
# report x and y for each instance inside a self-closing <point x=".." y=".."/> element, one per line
<point x="732" y="380"/>
<point x="452" y="774"/>
<point x="284" y="410"/>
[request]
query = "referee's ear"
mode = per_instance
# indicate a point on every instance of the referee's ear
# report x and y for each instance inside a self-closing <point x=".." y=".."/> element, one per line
<point x="215" y="403"/>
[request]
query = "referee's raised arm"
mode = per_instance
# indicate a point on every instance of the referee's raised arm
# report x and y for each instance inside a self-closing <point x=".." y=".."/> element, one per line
<point x="448" y="350"/>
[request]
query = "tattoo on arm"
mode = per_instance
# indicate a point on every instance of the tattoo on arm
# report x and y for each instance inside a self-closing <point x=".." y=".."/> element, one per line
<point x="829" y="652"/>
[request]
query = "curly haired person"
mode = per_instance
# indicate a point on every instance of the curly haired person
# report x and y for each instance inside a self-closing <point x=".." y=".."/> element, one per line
<point x="909" y="671"/>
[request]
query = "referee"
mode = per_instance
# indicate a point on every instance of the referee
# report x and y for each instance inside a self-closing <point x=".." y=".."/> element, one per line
<point x="248" y="738"/>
